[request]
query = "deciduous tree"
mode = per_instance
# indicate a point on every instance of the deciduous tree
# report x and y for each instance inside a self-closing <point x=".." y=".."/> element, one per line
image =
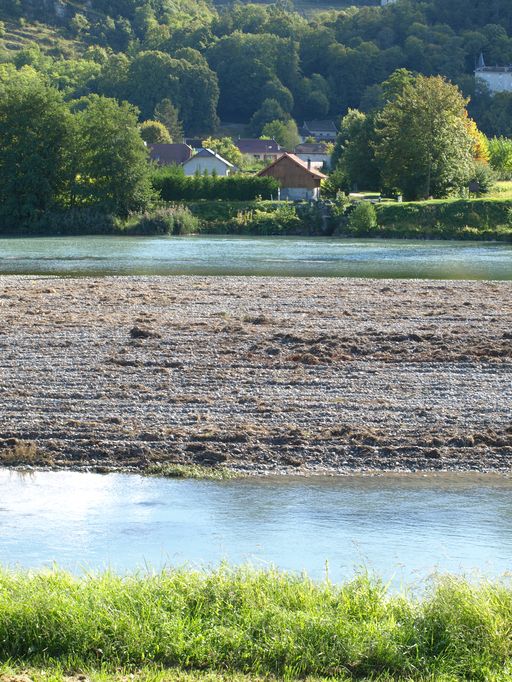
<point x="423" y="144"/>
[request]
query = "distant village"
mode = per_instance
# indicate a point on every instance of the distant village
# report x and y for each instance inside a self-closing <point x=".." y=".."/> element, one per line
<point x="299" y="171"/>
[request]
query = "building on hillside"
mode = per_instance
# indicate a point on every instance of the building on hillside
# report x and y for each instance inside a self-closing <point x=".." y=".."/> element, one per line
<point x="173" y="154"/>
<point x="261" y="150"/>
<point x="297" y="181"/>
<point x="496" y="78"/>
<point x="387" y="2"/>
<point x="316" y="153"/>
<point x="208" y="162"/>
<point x="321" y="131"/>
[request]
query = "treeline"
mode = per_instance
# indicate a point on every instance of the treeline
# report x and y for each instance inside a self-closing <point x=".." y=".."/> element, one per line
<point x="419" y="143"/>
<point x="59" y="157"/>
<point x="270" y="62"/>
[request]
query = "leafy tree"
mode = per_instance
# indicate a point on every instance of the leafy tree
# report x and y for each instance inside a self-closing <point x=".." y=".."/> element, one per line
<point x="154" y="132"/>
<point x="269" y="111"/>
<point x="34" y="153"/>
<point x="363" y="218"/>
<point x="480" y="143"/>
<point x="80" y="23"/>
<point x="284" y="133"/>
<point x="113" y="167"/>
<point x="226" y="148"/>
<point x="423" y="145"/>
<point x="167" y="114"/>
<point x="354" y="150"/>
<point x="245" y="63"/>
<point x="275" y="90"/>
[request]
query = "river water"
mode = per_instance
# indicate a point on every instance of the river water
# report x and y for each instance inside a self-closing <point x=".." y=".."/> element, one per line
<point x="403" y="526"/>
<point x="82" y="256"/>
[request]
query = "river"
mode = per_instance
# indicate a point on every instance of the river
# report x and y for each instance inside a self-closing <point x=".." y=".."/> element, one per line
<point x="291" y="256"/>
<point x="402" y="526"/>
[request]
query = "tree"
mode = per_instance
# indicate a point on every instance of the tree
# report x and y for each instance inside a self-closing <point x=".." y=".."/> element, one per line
<point x="226" y="148"/>
<point x="154" y="132"/>
<point x="113" y="168"/>
<point x="480" y="143"/>
<point x="35" y="127"/>
<point x="354" y="150"/>
<point x="269" y="111"/>
<point x="284" y="133"/>
<point x="168" y="114"/>
<point x="423" y="146"/>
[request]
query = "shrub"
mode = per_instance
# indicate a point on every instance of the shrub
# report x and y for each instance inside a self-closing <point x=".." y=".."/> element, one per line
<point x="169" y="220"/>
<point x="85" y="220"/>
<point x="500" y="151"/>
<point x="363" y="218"/>
<point x="484" y="176"/>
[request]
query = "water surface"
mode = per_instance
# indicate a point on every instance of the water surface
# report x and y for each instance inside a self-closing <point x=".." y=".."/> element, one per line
<point x="82" y="256"/>
<point x="402" y="526"/>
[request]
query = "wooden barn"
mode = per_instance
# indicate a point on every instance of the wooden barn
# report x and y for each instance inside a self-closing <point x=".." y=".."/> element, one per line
<point x="297" y="179"/>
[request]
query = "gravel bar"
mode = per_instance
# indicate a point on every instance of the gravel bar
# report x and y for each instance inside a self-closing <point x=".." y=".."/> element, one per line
<point x="260" y="375"/>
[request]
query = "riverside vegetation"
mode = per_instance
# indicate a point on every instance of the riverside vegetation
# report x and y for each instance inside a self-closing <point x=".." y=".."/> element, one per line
<point x="257" y="623"/>
<point x="82" y="167"/>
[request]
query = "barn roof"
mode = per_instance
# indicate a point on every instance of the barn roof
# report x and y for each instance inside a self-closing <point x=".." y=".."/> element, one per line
<point x="299" y="162"/>
<point x="169" y="153"/>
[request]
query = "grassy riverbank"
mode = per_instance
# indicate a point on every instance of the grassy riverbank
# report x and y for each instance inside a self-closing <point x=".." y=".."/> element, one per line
<point x="255" y="623"/>
<point x="463" y="219"/>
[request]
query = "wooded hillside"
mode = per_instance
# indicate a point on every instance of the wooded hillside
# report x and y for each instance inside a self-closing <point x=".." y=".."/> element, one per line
<point x="229" y="62"/>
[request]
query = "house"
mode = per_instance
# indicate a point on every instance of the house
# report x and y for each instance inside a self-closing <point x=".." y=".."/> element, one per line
<point x="194" y="142"/>
<point x="170" y="154"/>
<point x="297" y="179"/>
<point x="261" y="150"/>
<point x="316" y="153"/>
<point x="496" y="78"/>
<point x="320" y="130"/>
<point x="207" y="162"/>
<point x="387" y="2"/>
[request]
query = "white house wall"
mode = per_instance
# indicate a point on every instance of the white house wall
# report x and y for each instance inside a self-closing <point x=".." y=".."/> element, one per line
<point x="496" y="81"/>
<point x="298" y="194"/>
<point x="204" y="163"/>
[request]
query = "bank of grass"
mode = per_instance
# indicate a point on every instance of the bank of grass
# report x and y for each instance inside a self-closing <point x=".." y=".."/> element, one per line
<point x="256" y="623"/>
<point x="465" y="219"/>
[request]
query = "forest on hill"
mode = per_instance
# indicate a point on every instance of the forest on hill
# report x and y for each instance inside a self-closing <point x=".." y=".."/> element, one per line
<point x="262" y="62"/>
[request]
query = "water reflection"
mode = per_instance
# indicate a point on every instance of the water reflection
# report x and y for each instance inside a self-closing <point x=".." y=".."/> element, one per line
<point x="398" y="525"/>
<point x="255" y="256"/>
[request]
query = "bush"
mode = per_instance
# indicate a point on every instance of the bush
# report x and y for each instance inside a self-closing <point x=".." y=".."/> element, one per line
<point x="484" y="176"/>
<point x="173" y="185"/>
<point x="363" y="218"/>
<point x="447" y="219"/>
<point x="169" y="220"/>
<point x="500" y="152"/>
<point x="72" y="221"/>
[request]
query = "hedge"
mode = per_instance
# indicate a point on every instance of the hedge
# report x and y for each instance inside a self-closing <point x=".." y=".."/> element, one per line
<point x="173" y="186"/>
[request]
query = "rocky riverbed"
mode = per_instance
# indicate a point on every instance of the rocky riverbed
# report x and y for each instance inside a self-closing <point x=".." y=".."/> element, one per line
<point x="255" y="374"/>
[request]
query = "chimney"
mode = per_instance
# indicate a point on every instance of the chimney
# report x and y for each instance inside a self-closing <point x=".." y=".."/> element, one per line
<point x="309" y="164"/>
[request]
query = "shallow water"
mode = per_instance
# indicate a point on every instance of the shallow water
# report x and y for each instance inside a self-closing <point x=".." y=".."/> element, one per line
<point x="402" y="526"/>
<point x="82" y="256"/>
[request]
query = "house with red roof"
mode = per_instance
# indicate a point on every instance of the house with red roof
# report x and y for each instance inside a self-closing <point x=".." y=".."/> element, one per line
<point x="297" y="179"/>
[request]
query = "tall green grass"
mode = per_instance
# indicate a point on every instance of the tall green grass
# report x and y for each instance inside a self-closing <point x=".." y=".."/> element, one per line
<point x="256" y="622"/>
